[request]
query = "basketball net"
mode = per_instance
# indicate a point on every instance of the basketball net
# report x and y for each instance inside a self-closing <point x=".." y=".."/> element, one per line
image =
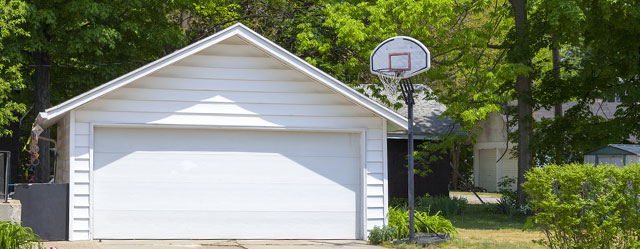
<point x="390" y="80"/>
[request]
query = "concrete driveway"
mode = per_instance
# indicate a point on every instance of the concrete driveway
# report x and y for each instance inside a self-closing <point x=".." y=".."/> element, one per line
<point x="211" y="244"/>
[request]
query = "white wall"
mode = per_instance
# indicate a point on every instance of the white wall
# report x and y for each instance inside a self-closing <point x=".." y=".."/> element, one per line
<point x="493" y="136"/>
<point x="232" y="84"/>
<point x="590" y="159"/>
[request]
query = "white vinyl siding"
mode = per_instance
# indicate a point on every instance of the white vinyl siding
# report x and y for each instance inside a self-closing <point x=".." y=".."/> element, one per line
<point x="507" y="166"/>
<point x="487" y="174"/>
<point x="231" y="84"/>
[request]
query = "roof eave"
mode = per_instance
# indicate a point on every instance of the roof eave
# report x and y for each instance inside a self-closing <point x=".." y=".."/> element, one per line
<point x="45" y="119"/>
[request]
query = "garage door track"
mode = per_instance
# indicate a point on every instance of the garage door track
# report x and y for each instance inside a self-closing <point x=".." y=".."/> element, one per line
<point x="211" y="244"/>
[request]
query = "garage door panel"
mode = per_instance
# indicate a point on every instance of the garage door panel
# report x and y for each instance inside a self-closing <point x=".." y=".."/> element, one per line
<point x="220" y="197"/>
<point x="225" y="225"/>
<point x="227" y="167"/>
<point x="163" y="183"/>
<point x="207" y="140"/>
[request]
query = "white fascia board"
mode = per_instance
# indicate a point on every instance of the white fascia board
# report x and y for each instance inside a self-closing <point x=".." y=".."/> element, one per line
<point x="47" y="118"/>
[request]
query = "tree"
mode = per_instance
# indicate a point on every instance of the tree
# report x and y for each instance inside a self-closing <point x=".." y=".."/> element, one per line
<point x="11" y="17"/>
<point x="468" y="72"/>
<point x="76" y="45"/>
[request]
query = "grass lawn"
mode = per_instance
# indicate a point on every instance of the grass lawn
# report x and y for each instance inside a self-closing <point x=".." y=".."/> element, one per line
<point x="479" y="228"/>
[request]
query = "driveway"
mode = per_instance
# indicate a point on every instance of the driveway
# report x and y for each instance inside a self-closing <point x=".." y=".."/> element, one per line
<point x="472" y="199"/>
<point x="211" y="244"/>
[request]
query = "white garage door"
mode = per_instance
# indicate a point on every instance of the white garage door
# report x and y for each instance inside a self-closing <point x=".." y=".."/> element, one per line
<point x="161" y="183"/>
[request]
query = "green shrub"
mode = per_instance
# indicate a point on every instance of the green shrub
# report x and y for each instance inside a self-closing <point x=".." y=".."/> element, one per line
<point x="379" y="235"/>
<point x="433" y="204"/>
<point x="508" y="202"/>
<point x="444" y="205"/>
<point x="14" y="236"/>
<point x="586" y="206"/>
<point x="398" y="202"/>
<point x="399" y="221"/>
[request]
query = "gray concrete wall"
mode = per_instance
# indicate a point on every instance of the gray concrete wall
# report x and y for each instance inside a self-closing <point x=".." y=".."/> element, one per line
<point x="10" y="211"/>
<point x="45" y="209"/>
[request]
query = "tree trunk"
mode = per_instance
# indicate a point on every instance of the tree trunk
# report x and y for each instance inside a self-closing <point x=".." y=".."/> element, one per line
<point x="524" y="92"/>
<point x="42" y="102"/>
<point x="455" y="164"/>
<point x="557" y="110"/>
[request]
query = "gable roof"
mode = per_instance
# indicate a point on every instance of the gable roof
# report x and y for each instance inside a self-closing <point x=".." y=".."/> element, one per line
<point x="51" y="115"/>
<point x="616" y="149"/>
<point x="427" y="113"/>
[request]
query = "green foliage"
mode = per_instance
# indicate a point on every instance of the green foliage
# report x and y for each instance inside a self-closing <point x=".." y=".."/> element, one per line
<point x="399" y="221"/>
<point x="598" y="61"/>
<point x="508" y="202"/>
<point x="431" y="151"/>
<point x="443" y="205"/>
<point x="378" y="235"/>
<point x="12" y="15"/>
<point x="482" y="217"/>
<point x="465" y="75"/>
<point x="586" y="206"/>
<point x="565" y="139"/>
<point x="14" y="236"/>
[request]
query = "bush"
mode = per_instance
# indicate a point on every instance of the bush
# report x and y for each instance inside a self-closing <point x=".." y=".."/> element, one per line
<point x="379" y="235"/>
<point x="399" y="221"/>
<point x="586" y="206"/>
<point x="444" y="205"/>
<point x="433" y="204"/>
<point x="398" y="202"/>
<point x="508" y="203"/>
<point x="14" y="236"/>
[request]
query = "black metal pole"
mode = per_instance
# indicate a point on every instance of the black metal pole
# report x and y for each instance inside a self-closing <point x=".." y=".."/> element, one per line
<point x="407" y="92"/>
<point x="6" y="176"/>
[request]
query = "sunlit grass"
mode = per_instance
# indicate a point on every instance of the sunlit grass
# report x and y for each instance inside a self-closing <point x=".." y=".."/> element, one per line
<point x="478" y="227"/>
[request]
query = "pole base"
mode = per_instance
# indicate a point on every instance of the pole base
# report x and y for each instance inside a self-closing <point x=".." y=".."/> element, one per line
<point x="425" y="239"/>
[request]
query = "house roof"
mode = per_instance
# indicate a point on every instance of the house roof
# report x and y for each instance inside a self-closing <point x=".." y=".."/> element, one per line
<point x="51" y="115"/>
<point x="599" y="108"/>
<point x="617" y="149"/>
<point x="427" y="114"/>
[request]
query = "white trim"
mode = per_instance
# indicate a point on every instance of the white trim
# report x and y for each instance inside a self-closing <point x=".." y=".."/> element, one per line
<point x="363" y="182"/>
<point x="499" y="166"/>
<point x="227" y="127"/>
<point x="362" y="230"/>
<point x="91" y="192"/>
<point x="476" y="167"/>
<point x="385" y="174"/>
<point x="72" y="164"/>
<point x="45" y="119"/>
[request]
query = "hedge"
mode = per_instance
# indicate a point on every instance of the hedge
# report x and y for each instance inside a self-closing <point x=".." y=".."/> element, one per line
<point x="586" y="206"/>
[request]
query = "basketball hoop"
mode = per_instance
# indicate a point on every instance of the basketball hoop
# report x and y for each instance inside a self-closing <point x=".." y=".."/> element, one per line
<point x="395" y="60"/>
<point x="390" y="79"/>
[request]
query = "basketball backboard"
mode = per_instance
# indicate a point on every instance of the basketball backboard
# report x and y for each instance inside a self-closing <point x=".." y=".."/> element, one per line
<point x="400" y="56"/>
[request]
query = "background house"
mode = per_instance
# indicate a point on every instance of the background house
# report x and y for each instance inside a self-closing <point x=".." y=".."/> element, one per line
<point x="493" y="153"/>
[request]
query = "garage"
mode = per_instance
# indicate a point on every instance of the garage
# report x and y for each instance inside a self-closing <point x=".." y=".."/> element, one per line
<point x="231" y="137"/>
<point x="228" y="184"/>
